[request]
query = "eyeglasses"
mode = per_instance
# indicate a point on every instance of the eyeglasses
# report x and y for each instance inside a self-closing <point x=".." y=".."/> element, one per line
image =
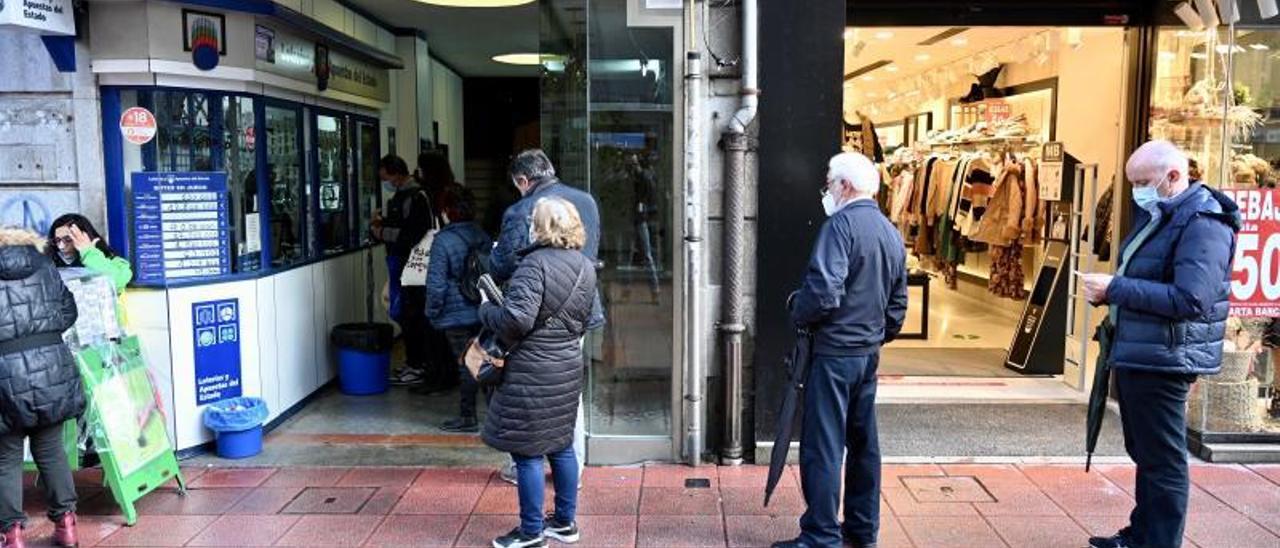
<point x="61" y="240"/>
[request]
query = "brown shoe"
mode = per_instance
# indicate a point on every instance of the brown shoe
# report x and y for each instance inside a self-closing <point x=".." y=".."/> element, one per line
<point x="13" y="537"/>
<point x="64" y="531"/>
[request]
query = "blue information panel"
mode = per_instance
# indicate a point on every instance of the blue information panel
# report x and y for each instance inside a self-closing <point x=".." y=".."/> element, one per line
<point x="180" y="226"/>
<point x="217" y="349"/>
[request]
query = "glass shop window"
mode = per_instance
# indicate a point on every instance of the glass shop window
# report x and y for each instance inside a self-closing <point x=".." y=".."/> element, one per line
<point x="285" y="179"/>
<point x="331" y="169"/>
<point x="240" y="162"/>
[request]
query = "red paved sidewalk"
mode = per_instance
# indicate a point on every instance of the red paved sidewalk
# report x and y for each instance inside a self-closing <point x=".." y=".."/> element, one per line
<point x="922" y="506"/>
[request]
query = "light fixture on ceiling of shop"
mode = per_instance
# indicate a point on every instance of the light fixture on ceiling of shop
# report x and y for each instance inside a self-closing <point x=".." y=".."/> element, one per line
<point x="530" y="59"/>
<point x="1208" y="13"/>
<point x="850" y="34"/>
<point x="922" y="57"/>
<point x="884" y="35"/>
<point x="960" y="42"/>
<point x="1268" y="9"/>
<point x="1223" y="49"/>
<point x="1228" y="11"/>
<point x="476" y="3"/>
<point x="1200" y="56"/>
<point x="1259" y="47"/>
<point x="892" y="68"/>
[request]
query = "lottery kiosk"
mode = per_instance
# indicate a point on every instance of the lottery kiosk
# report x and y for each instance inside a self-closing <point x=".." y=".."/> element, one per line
<point x="240" y="151"/>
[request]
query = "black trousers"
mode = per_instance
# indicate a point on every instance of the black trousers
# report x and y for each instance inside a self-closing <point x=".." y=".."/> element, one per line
<point x="458" y="341"/>
<point x="1153" y="410"/>
<point x="414" y="325"/>
<point x="840" y="415"/>
<point x="55" y="474"/>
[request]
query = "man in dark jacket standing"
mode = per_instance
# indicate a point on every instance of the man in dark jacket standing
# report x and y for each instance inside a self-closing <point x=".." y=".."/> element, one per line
<point x="535" y="177"/>
<point x="853" y="300"/>
<point x="407" y="220"/>
<point x="1169" y="304"/>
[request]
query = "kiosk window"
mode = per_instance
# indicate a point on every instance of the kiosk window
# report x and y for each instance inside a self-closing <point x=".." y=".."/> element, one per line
<point x="367" y="185"/>
<point x="239" y="161"/>
<point x="332" y="184"/>
<point x="284" y="178"/>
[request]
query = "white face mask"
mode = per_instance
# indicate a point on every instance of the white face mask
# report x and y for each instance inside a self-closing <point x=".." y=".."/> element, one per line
<point x="829" y="205"/>
<point x="388" y="187"/>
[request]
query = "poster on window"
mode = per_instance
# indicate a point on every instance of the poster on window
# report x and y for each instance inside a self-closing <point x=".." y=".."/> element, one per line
<point x="1255" y="271"/>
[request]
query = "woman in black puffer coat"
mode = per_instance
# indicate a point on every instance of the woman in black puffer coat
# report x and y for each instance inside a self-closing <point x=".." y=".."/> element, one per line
<point x="532" y="412"/>
<point x="39" y="384"/>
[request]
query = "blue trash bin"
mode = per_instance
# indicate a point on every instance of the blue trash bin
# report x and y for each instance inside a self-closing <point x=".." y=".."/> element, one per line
<point x="364" y="357"/>
<point x="237" y="424"/>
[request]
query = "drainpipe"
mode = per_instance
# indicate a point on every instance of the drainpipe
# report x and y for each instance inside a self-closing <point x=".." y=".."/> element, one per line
<point x="694" y="219"/>
<point x="734" y="325"/>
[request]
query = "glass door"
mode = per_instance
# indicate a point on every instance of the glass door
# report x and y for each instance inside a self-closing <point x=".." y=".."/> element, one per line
<point x="608" y="124"/>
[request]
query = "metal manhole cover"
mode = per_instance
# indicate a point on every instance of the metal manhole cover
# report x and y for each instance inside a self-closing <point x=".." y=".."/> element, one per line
<point x="947" y="489"/>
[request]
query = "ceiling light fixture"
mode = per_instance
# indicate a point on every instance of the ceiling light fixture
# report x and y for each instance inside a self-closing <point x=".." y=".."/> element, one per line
<point x="1268" y="9"/>
<point x="1208" y="13"/>
<point x="884" y="35"/>
<point x="477" y="3"/>
<point x="850" y="34"/>
<point x="1259" y="47"/>
<point x="960" y="42"/>
<point x="892" y="68"/>
<point x="869" y="78"/>
<point x="922" y="57"/>
<point x="528" y="59"/>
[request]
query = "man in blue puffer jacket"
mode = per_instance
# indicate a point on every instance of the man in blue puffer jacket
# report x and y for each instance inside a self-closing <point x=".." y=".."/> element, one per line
<point x="448" y="309"/>
<point x="1168" y="302"/>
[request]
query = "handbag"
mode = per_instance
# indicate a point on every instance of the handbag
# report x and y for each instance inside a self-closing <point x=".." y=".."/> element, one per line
<point x="415" y="266"/>
<point x="485" y="356"/>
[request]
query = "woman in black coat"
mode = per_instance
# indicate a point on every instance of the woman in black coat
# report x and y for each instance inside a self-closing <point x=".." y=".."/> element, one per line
<point x="39" y="384"/>
<point x="531" y="415"/>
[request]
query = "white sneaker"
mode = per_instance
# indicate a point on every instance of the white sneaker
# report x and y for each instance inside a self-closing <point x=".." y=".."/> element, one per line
<point x="406" y="377"/>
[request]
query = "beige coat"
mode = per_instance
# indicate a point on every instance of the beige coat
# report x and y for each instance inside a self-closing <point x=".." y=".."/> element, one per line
<point x="1002" y="224"/>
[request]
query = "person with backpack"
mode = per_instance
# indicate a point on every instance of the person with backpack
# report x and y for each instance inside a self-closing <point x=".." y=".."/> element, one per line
<point x="459" y="256"/>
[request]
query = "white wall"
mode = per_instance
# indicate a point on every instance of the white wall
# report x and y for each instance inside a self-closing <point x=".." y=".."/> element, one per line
<point x="285" y="321"/>
<point x="446" y="106"/>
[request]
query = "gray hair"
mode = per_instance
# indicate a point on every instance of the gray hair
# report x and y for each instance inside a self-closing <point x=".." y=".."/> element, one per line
<point x="1154" y="160"/>
<point x="532" y="164"/>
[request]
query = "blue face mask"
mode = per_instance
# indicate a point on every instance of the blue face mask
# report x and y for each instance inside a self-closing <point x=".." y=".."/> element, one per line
<point x="1148" y="197"/>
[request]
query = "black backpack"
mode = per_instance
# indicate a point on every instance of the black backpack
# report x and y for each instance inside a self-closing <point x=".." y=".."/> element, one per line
<point x="476" y="265"/>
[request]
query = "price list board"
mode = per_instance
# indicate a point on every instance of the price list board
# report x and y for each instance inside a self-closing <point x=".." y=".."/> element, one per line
<point x="180" y="226"/>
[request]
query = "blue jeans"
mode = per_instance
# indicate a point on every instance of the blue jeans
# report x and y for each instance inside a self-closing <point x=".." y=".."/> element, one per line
<point x="531" y="484"/>
<point x="840" y="415"/>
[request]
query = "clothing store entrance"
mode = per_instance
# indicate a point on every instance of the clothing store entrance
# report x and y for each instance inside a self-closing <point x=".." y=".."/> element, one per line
<point x="958" y="119"/>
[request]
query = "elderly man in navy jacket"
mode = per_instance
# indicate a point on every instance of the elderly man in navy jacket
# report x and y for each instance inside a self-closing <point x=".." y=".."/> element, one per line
<point x="853" y="300"/>
<point x="1168" y="302"/>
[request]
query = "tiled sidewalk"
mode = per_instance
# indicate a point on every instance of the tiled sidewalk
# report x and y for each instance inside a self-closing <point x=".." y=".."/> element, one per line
<point x="922" y="505"/>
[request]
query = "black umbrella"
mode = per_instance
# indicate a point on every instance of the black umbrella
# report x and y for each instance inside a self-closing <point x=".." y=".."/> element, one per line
<point x="1098" y="394"/>
<point x="797" y="372"/>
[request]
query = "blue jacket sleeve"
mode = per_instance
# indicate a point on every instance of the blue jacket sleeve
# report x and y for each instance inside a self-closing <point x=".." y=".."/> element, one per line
<point x="824" y="282"/>
<point x="1201" y="261"/>
<point x="438" y="275"/>
<point x="513" y="237"/>
<point x="522" y="300"/>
